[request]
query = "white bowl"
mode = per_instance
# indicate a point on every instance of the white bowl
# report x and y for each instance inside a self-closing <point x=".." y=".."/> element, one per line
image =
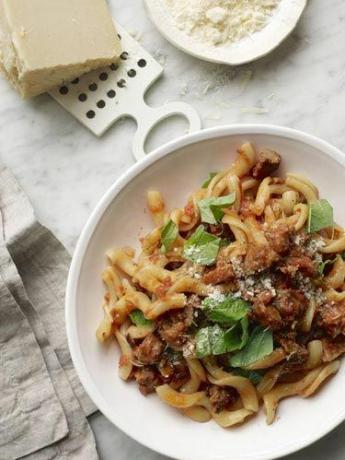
<point x="283" y="22"/>
<point x="176" y="169"/>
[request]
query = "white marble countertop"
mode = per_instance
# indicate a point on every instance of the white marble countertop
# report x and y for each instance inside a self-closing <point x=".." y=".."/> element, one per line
<point x="65" y="169"/>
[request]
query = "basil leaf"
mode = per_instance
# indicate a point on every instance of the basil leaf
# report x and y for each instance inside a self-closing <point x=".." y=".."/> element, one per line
<point x="203" y="343"/>
<point x="168" y="235"/>
<point x="217" y="339"/>
<point x="225" y="309"/>
<point x="207" y="181"/>
<point x="202" y="247"/>
<point x="230" y="340"/>
<point x="213" y="340"/>
<point x="138" y="318"/>
<point x="211" y="208"/>
<point x="206" y="213"/>
<point x="225" y="242"/>
<point x="320" y="216"/>
<point x="259" y="345"/>
<point x="324" y="264"/>
<point x="245" y="333"/>
<point x="254" y="376"/>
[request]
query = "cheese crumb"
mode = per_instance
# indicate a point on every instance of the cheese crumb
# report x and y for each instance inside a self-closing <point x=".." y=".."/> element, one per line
<point x="216" y="15"/>
<point x="218" y="22"/>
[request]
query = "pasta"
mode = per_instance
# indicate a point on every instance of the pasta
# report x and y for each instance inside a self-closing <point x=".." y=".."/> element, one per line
<point x="237" y="299"/>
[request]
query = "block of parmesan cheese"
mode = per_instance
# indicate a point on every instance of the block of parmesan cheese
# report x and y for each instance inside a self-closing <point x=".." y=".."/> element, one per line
<point x="46" y="42"/>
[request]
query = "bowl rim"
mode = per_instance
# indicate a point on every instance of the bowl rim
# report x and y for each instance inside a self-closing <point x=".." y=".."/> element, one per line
<point x="91" y="224"/>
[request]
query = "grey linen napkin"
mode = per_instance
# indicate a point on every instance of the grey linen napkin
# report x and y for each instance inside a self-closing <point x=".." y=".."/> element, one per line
<point x="33" y="272"/>
<point x="26" y="391"/>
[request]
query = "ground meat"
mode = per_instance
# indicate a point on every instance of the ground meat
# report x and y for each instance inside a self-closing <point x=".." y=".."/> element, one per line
<point x="332" y="349"/>
<point x="331" y="317"/>
<point x="150" y="350"/>
<point x="259" y="257"/>
<point x="221" y="273"/>
<point x="222" y="398"/>
<point x="148" y="379"/>
<point x="277" y="312"/>
<point x="221" y="230"/>
<point x="268" y="162"/>
<point x="173" y="327"/>
<point x="264" y="297"/>
<point x="291" y="304"/>
<point x="296" y="354"/>
<point x="264" y="313"/>
<point x="174" y="265"/>
<point x="278" y="236"/>
<point x="298" y="262"/>
<point x="216" y="229"/>
<point x="175" y="372"/>
<point x="267" y="316"/>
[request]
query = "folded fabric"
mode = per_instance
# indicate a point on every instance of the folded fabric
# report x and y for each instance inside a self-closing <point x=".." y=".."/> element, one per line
<point x="43" y="404"/>
<point x="80" y="442"/>
<point x="27" y="394"/>
<point x="42" y="263"/>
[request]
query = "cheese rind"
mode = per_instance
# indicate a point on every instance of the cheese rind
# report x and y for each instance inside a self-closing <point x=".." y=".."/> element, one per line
<point x="46" y="42"/>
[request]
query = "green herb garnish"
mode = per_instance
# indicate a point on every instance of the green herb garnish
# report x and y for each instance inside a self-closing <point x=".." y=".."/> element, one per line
<point x="213" y="340"/>
<point x="225" y="242"/>
<point x="324" y="264"/>
<point x="138" y="318"/>
<point x="211" y="208"/>
<point x="259" y="345"/>
<point x="202" y="247"/>
<point x="320" y="216"/>
<point x="168" y="235"/>
<point x="207" y="181"/>
<point x="254" y="376"/>
<point x="226" y="309"/>
<point x="203" y="342"/>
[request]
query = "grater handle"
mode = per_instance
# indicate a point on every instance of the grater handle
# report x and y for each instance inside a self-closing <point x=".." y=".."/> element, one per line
<point x="148" y="117"/>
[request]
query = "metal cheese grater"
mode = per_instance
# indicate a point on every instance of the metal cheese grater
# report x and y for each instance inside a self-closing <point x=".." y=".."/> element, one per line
<point x="100" y="98"/>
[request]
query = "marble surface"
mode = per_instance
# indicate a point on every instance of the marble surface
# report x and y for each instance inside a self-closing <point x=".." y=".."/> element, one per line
<point x="65" y="170"/>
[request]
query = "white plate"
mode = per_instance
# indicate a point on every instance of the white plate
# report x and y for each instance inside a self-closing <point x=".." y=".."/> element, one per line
<point x="261" y="43"/>
<point x="176" y="169"/>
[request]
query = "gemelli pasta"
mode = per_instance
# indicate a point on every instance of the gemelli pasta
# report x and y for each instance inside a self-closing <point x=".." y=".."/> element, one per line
<point x="236" y="300"/>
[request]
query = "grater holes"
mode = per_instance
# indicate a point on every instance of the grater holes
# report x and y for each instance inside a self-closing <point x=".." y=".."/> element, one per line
<point x="63" y="90"/>
<point x="124" y="56"/>
<point x="111" y="93"/>
<point x="101" y="104"/>
<point x="131" y="73"/>
<point x="119" y="36"/>
<point x="75" y="81"/>
<point x="91" y="114"/>
<point x="142" y="63"/>
<point x="103" y="76"/>
<point x="113" y="67"/>
<point x="82" y="97"/>
<point x="121" y="83"/>
<point x="93" y="87"/>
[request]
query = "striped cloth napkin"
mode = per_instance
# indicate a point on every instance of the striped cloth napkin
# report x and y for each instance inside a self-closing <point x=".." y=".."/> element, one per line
<point x="43" y="406"/>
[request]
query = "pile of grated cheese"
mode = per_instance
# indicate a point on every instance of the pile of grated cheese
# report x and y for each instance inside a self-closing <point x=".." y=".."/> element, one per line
<point x="219" y="22"/>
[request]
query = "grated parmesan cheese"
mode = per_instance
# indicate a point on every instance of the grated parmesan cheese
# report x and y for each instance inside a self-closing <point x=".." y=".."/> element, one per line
<point x="217" y="22"/>
<point x="188" y="349"/>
